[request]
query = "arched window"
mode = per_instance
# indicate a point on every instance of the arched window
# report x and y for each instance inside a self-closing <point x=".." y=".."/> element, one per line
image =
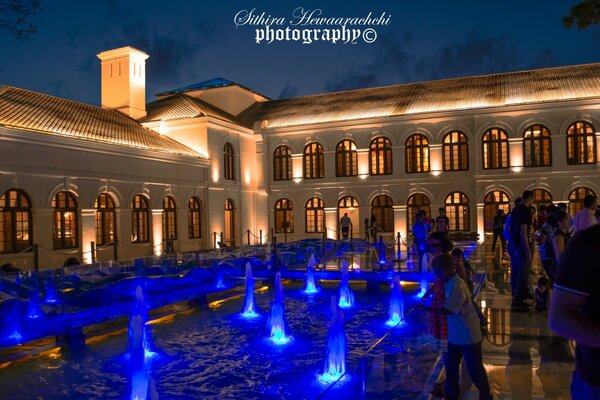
<point x="382" y="209"/>
<point x="416" y="202"/>
<point x="455" y="152"/>
<point x="346" y="158"/>
<point x="314" y="161"/>
<point x="284" y="216"/>
<point x="229" y="162"/>
<point x="169" y="218"/>
<point x="537" y="146"/>
<point x="576" y="199"/>
<point x="282" y="164"/>
<point x="492" y="202"/>
<point x="140" y="219"/>
<point x="65" y="232"/>
<point x="581" y="143"/>
<point x="380" y="156"/>
<point x="457" y="210"/>
<point x="194" y="218"/>
<point x="417" y="153"/>
<point x="315" y="215"/>
<point x="495" y="149"/>
<point x="541" y="196"/>
<point x="15" y="218"/>
<point x="105" y="219"/>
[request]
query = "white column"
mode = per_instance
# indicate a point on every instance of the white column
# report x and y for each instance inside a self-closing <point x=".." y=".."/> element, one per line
<point x="400" y="223"/>
<point x="435" y="159"/>
<point x="480" y="222"/>
<point x="157" y="244"/>
<point x="515" y="148"/>
<point x="331" y="222"/>
<point x="88" y="233"/>
<point x="297" y="173"/>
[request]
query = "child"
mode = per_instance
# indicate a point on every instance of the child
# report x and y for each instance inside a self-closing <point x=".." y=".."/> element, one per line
<point x="541" y="298"/>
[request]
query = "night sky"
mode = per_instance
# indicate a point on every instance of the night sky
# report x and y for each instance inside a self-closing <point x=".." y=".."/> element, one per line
<point x="192" y="41"/>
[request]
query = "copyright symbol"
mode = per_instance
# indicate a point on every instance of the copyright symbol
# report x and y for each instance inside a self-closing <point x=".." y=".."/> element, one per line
<point x="369" y="35"/>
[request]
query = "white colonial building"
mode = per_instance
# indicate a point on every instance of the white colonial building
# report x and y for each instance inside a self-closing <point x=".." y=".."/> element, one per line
<point x="218" y="161"/>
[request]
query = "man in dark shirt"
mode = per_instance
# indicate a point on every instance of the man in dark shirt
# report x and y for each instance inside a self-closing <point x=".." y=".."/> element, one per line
<point x="498" y="229"/>
<point x="442" y="222"/>
<point x="520" y="233"/>
<point x="575" y="309"/>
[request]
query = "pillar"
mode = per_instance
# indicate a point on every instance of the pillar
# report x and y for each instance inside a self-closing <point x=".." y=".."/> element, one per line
<point x="515" y="149"/>
<point x="400" y="222"/>
<point x="331" y="222"/>
<point x="480" y="223"/>
<point x="88" y="233"/>
<point x="157" y="244"/>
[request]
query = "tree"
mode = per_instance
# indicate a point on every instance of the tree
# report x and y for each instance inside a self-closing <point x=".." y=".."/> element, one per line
<point x="15" y="17"/>
<point x="583" y="14"/>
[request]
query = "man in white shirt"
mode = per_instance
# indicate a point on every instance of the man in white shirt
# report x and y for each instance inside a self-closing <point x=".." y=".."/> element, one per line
<point x="585" y="217"/>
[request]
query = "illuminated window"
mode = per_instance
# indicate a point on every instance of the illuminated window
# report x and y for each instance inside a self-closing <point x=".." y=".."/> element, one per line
<point x="105" y="219"/>
<point x="380" y="156"/>
<point x="140" y="219"/>
<point x="495" y="149"/>
<point x="457" y="211"/>
<point x="537" y="146"/>
<point x="194" y="218"/>
<point x="417" y="154"/>
<point x="284" y="216"/>
<point x="314" y="161"/>
<point x="282" y="164"/>
<point x="541" y="196"/>
<point x="346" y="158"/>
<point x="416" y="202"/>
<point x="382" y="209"/>
<point x="229" y="162"/>
<point x="315" y="215"/>
<point x="581" y="144"/>
<point x="65" y="232"/>
<point x="169" y="218"/>
<point x="492" y="202"/>
<point x="455" y="152"/>
<point x="15" y="219"/>
<point x="576" y="199"/>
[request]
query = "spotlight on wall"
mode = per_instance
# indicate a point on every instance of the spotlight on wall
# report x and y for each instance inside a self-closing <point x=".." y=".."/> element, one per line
<point x="516" y="170"/>
<point x="297" y="180"/>
<point x="436" y="172"/>
<point x="363" y="176"/>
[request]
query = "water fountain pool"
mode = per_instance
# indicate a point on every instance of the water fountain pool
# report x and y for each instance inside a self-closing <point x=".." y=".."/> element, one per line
<point x="346" y="299"/>
<point x="249" y="310"/>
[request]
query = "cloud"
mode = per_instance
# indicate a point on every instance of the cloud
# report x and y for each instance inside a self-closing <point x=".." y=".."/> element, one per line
<point x="351" y="80"/>
<point x="288" y="91"/>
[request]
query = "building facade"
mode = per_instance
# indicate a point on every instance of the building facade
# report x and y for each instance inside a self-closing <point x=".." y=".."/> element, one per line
<point x="219" y="162"/>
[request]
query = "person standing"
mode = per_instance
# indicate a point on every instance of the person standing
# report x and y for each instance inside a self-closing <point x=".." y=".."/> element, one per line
<point x="366" y="224"/>
<point x="373" y="228"/>
<point x="575" y="309"/>
<point x="585" y="217"/>
<point x="498" y="229"/>
<point x="520" y="233"/>
<point x="442" y="222"/>
<point x="345" y="225"/>
<point x="560" y="228"/>
<point x="420" y="232"/>
<point x="464" y="331"/>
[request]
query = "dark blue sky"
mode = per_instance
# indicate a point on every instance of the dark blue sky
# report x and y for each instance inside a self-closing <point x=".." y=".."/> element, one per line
<point x="190" y="41"/>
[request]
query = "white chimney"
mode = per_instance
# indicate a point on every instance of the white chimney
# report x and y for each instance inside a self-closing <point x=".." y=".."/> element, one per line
<point x="123" y="75"/>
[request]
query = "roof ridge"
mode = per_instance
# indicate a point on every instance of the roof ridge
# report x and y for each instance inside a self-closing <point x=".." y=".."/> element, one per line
<point x="188" y="100"/>
<point x="439" y="80"/>
<point x="207" y="104"/>
<point x="56" y="97"/>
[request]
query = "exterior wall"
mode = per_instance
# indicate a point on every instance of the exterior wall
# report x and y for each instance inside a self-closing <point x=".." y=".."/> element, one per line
<point x="42" y="165"/>
<point x="559" y="178"/>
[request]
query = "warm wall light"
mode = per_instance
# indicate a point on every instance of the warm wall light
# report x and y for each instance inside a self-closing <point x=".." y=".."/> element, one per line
<point x="436" y="172"/>
<point x="215" y="175"/>
<point x="517" y="169"/>
<point x="363" y="176"/>
<point x="298" y="180"/>
<point x="247" y="177"/>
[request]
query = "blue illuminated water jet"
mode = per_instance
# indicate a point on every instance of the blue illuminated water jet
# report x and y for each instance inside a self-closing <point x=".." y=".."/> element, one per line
<point x="424" y="287"/>
<point x="276" y="322"/>
<point x="220" y="279"/>
<point x="34" y="310"/>
<point x="140" y="334"/>
<point x="396" y="311"/>
<point x="335" y="358"/>
<point x="311" y="286"/>
<point x="249" y="310"/>
<point x="346" y="295"/>
<point x="50" y="293"/>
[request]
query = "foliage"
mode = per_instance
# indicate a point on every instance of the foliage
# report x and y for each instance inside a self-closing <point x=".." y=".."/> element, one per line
<point x="583" y="14"/>
<point x="15" y="17"/>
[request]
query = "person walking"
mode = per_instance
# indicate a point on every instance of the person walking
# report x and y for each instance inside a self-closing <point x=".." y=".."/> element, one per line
<point x="575" y="309"/>
<point x="345" y="226"/>
<point x="585" y="217"/>
<point x="520" y="234"/>
<point x="464" y="331"/>
<point x="498" y="229"/>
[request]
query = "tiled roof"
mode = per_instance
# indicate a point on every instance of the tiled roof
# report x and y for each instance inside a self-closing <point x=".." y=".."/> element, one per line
<point x="478" y="92"/>
<point x="209" y="84"/>
<point x="180" y="106"/>
<point x="25" y="109"/>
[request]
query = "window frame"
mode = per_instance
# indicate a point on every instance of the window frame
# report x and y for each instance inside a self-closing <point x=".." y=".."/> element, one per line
<point x="140" y="219"/>
<point x="346" y="159"/>
<point x="313" y="215"/>
<point x="284" y="208"/>
<point x="449" y="146"/>
<point x="573" y="140"/>
<point x="59" y="223"/>
<point x="105" y="214"/>
<point x="416" y="154"/>
<point x="194" y="218"/>
<point x="228" y="162"/>
<point x="380" y="151"/>
<point x="281" y="160"/>
<point x="169" y="218"/>
<point x="16" y="214"/>
<point x="452" y="212"/>
<point x="543" y="142"/>
<point x="489" y="155"/>
<point x="313" y="161"/>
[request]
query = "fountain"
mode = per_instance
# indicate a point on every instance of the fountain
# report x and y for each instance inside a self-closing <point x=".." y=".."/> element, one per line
<point x="424" y="287"/>
<point x="220" y="279"/>
<point x="50" y="292"/>
<point x="140" y="333"/>
<point x="396" y="313"/>
<point x="335" y="358"/>
<point x="34" y="310"/>
<point x="249" y="308"/>
<point x="276" y="323"/>
<point x="346" y="295"/>
<point x="11" y="314"/>
<point x="311" y="286"/>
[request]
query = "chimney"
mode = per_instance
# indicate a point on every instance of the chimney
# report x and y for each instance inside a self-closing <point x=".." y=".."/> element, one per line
<point x="123" y="75"/>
